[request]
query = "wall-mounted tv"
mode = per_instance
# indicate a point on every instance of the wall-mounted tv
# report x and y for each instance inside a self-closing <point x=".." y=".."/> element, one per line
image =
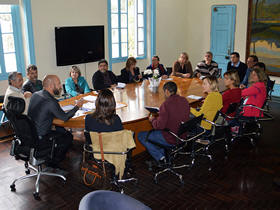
<point x="79" y="44"/>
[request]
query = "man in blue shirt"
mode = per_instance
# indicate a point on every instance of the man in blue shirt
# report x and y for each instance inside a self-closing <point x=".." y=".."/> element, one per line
<point x="251" y="61"/>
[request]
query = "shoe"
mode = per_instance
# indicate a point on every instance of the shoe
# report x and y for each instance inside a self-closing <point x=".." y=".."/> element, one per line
<point x="201" y="141"/>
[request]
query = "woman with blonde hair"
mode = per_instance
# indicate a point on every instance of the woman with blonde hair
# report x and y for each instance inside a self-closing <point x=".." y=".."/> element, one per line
<point x="182" y="67"/>
<point x="233" y="93"/>
<point x="76" y="84"/>
<point x="212" y="103"/>
<point x="130" y="73"/>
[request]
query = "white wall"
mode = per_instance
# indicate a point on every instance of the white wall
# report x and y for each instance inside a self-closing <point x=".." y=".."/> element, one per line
<point x="198" y="22"/>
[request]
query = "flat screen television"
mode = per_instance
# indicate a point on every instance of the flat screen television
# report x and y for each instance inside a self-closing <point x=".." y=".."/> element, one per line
<point x="79" y="44"/>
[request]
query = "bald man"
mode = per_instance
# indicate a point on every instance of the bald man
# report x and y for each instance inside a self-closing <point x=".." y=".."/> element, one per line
<point x="43" y="108"/>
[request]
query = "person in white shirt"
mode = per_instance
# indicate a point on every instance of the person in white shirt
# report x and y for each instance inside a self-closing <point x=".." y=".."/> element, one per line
<point x="15" y="89"/>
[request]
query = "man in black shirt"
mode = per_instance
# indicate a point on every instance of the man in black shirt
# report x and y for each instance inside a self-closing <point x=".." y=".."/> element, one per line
<point x="103" y="78"/>
<point x="43" y="109"/>
<point x="236" y="64"/>
<point x="32" y="84"/>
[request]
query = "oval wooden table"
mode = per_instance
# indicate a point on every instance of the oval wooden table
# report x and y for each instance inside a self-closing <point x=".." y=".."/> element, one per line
<point x="138" y="95"/>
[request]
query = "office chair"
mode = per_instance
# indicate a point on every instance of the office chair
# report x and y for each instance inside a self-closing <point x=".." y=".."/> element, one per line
<point x="65" y="94"/>
<point x="108" y="200"/>
<point x="25" y="145"/>
<point x="169" y="70"/>
<point x="250" y="127"/>
<point x="190" y="128"/>
<point x="116" y="178"/>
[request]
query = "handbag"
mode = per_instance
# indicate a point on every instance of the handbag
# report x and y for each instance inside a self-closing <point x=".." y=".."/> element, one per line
<point x="94" y="174"/>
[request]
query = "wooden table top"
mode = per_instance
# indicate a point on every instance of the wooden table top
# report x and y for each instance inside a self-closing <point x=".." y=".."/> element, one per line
<point x="137" y="96"/>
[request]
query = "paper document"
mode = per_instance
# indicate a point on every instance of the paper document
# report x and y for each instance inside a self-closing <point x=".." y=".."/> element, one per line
<point x="89" y="106"/>
<point x="67" y="108"/>
<point x="120" y="105"/>
<point x="168" y="79"/>
<point x="194" y="97"/>
<point x="79" y="113"/>
<point x="121" y="85"/>
<point x="90" y="98"/>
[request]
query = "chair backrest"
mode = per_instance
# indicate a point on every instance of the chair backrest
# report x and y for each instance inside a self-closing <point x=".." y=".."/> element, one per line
<point x="107" y="200"/>
<point x="169" y="70"/>
<point x="190" y="125"/>
<point x="232" y="108"/>
<point x="23" y="126"/>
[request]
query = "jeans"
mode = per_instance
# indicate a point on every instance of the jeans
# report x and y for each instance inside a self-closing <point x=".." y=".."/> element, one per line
<point x="156" y="136"/>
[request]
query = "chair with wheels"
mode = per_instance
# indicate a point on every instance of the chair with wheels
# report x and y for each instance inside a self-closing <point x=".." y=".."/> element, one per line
<point x="26" y="147"/>
<point x="188" y="132"/>
<point x="107" y="200"/>
<point x="117" y="149"/>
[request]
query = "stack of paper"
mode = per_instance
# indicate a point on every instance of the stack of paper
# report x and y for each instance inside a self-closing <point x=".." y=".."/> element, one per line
<point x="67" y="108"/>
<point x="90" y="98"/>
<point x="121" y="85"/>
<point x="120" y="105"/>
<point x="88" y="106"/>
<point x="79" y="113"/>
<point x="194" y="97"/>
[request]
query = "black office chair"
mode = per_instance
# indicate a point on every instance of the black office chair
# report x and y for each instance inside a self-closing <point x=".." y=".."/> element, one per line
<point x="189" y="128"/>
<point x="169" y="70"/>
<point x="65" y="94"/>
<point x="250" y="127"/>
<point x="108" y="200"/>
<point x="115" y="180"/>
<point x="26" y="146"/>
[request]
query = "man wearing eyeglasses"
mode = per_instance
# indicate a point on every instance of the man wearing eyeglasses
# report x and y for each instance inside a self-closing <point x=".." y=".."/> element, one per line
<point x="206" y="67"/>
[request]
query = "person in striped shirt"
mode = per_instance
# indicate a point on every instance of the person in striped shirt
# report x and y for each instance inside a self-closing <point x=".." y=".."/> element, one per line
<point x="206" y="67"/>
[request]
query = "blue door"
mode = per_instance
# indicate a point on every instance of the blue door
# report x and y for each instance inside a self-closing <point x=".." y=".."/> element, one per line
<point x="222" y="34"/>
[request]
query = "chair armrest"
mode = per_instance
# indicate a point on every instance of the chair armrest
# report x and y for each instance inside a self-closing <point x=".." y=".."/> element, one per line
<point x="253" y="106"/>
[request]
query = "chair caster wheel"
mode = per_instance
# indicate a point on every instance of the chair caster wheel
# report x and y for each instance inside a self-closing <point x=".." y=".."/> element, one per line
<point x="36" y="196"/>
<point x="27" y="172"/>
<point x="13" y="187"/>
<point x="155" y="180"/>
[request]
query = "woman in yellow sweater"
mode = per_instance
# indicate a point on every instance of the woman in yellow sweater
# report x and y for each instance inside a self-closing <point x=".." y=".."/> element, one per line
<point x="212" y="103"/>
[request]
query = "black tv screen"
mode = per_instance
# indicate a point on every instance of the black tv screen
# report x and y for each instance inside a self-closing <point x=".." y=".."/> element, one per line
<point x="79" y="44"/>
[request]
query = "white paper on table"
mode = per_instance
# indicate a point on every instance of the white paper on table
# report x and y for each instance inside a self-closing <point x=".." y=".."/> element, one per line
<point x="168" y="79"/>
<point x="67" y="108"/>
<point x="194" y="97"/>
<point x="88" y="106"/>
<point x="79" y="113"/>
<point x="90" y="98"/>
<point x="121" y="85"/>
<point x="120" y="105"/>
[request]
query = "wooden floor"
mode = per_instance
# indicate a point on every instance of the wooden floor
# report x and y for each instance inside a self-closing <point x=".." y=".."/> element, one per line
<point x="243" y="181"/>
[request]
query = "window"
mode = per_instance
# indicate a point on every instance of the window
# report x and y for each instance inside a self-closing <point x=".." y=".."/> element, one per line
<point x="11" y="53"/>
<point x="127" y="29"/>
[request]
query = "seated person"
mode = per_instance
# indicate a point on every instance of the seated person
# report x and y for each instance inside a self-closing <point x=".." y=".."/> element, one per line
<point x="261" y="66"/>
<point x="156" y="65"/>
<point x="172" y="112"/>
<point x="255" y="94"/>
<point x="182" y="67"/>
<point x="233" y="93"/>
<point x="130" y="73"/>
<point x="32" y="84"/>
<point x="206" y="67"/>
<point x="212" y="103"/>
<point x="251" y="61"/>
<point x="105" y="119"/>
<point x="237" y="65"/>
<point x="14" y="89"/>
<point x="43" y="109"/>
<point x="103" y="79"/>
<point x="76" y="84"/>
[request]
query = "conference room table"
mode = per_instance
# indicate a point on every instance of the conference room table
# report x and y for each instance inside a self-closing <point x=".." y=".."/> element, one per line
<point x="136" y="96"/>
